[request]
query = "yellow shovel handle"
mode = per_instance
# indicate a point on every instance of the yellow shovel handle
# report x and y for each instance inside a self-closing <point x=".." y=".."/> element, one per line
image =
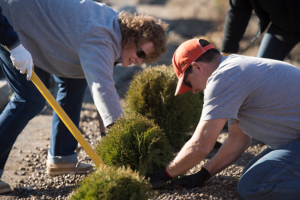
<point x="65" y="118"/>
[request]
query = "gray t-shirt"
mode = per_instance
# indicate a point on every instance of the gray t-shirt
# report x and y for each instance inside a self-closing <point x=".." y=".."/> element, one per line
<point x="73" y="39"/>
<point x="263" y="95"/>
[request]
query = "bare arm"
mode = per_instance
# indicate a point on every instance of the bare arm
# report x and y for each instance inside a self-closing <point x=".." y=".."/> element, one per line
<point x="197" y="148"/>
<point x="233" y="147"/>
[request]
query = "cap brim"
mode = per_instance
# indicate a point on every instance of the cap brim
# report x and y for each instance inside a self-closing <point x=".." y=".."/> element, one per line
<point x="180" y="87"/>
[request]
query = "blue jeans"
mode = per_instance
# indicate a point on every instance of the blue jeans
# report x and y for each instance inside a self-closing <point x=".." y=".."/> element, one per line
<point x="273" y="174"/>
<point x="273" y="48"/>
<point x="28" y="102"/>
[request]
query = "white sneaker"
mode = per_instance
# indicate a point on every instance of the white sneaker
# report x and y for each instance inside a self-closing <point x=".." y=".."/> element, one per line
<point x="67" y="168"/>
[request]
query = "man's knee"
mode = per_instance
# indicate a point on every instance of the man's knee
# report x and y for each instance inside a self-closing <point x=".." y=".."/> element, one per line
<point x="251" y="188"/>
<point x="243" y="188"/>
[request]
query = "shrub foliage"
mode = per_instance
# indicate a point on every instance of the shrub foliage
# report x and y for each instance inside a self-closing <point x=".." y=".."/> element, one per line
<point x="137" y="142"/>
<point x="111" y="183"/>
<point x="151" y="93"/>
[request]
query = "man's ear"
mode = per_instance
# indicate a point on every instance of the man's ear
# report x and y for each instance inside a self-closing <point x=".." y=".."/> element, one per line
<point x="197" y="65"/>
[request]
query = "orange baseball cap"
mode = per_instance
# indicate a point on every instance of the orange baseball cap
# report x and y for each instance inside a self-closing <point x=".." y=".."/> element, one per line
<point x="184" y="55"/>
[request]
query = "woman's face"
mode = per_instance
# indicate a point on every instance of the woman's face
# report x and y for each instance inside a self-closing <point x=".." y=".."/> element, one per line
<point x="129" y="53"/>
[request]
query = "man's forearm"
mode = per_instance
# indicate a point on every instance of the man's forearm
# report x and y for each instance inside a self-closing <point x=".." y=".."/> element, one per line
<point x="229" y="152"/>
<point x="197" y="148"/>
<point x="189" y="156"/>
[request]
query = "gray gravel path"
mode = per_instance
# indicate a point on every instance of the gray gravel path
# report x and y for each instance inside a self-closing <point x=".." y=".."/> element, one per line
<point x="33" y="183"/>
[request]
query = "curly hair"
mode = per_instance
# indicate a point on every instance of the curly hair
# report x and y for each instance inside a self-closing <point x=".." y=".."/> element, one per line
<point x="140" y="29"/>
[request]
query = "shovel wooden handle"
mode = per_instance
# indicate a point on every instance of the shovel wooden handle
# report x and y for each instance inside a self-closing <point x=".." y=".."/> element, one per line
<point x="65" y="118"/>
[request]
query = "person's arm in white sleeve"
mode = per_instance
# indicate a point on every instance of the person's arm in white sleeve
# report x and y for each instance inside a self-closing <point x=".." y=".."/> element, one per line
<point x="97" y="60"/>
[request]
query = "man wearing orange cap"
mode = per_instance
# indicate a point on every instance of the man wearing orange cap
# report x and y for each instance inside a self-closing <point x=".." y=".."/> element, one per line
<point x="260" y="98"/>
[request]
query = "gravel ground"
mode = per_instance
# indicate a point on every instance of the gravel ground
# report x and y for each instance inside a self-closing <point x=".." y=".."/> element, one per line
<point x="34" y="183"/>
<point x="221" y="186"/>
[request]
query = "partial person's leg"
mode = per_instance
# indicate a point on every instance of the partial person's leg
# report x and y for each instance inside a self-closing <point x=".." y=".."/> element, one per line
<point x="61" y="156"/>
<point x="274" y="176"/>
<point x="26" y="104"/>
<point x="273" y="48"/>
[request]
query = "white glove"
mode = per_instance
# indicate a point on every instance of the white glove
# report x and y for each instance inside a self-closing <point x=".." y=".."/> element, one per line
<point x="22" y="60"/>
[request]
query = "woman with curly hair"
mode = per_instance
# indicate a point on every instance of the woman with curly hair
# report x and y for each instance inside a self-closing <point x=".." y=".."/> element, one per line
<point x="78" y="42"/>
<point x="140" y="29"/>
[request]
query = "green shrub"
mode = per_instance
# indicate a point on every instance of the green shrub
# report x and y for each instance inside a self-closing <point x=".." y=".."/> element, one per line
<point x="151" y="93"/>
<point x="110" y="183"/>
<point x="137" y="142"/>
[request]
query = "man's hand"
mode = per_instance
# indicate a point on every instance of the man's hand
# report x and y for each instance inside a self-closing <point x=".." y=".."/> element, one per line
<point x="22" y="60"/>
<point x="191" y="181"/>
<point x="159" y="178"/>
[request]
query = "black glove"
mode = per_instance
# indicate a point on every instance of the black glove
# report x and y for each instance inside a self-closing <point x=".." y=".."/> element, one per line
<point x="217" y="145"/>
<point x="159" y="178"/>
<point x="191" y="181"/>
